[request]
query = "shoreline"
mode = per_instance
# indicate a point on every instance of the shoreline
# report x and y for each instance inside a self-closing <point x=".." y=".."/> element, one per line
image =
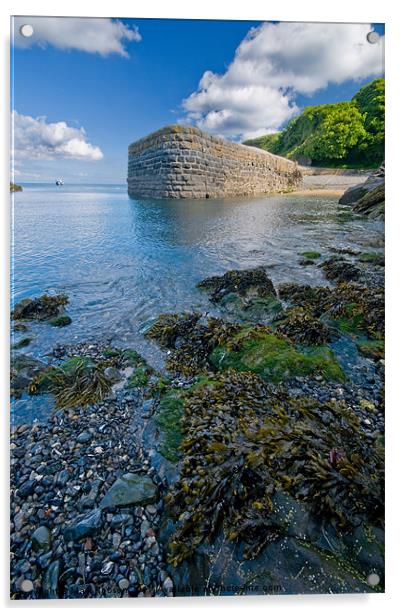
<point x="318" y="192"/>
<point x="99" y="502"/>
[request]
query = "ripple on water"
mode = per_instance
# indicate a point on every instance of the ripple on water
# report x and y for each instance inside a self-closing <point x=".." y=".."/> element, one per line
<point x="123" y="261"/>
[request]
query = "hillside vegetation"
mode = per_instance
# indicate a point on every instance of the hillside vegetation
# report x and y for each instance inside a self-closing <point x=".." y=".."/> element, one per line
<point x="347" y="134"/>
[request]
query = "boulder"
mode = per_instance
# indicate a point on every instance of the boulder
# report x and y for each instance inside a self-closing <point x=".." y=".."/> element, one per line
<point x="368" y="198"/>
<point x="23" y="369"/>
<point x="130" y="489"/>
<point x="85" y="525"/>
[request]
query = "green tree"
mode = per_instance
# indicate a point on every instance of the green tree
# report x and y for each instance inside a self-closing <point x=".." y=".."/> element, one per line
<point x="341" y="129"/>
<point x="370" y="100"/>
<point x="345" y="134"/>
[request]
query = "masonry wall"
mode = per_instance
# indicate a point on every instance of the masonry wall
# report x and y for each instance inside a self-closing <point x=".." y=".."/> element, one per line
<point x="185" y="162"/>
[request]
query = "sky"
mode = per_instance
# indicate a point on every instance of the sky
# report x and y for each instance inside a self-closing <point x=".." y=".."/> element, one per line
<point x="84" y="89"/>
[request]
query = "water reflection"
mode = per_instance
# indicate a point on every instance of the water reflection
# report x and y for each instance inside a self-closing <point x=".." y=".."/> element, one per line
<point x="123" y="261"/>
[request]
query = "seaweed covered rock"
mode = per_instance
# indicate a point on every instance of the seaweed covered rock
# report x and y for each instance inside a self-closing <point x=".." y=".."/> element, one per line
<point x="354" y="307"/>
<point x="243" y="443"/>
<point x="255" y="309"/>
<point x="244" y="282"/>
<point x="311" y="255"/>
<point x="169" y="327"/>
<point x="340" y="270"/>
<point x="249" y="294"/>
<point x="40" y="308"/>
<point x="357" y="308"/>
<point x="61" y="320"/>
<point x="79" y="381"/>
<point x="302" y="327"/>
<point x="219" y="345"/>
<point x="191" y="340"/>
<point x="313" y="299"/>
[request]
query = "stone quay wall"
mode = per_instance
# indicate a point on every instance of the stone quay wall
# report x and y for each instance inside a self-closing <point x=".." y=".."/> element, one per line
<point x="183" y="162"/>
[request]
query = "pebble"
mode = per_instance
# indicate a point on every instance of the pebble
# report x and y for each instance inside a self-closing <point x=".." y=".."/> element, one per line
<point x="27" y="586"/>
<point x="123" y="584"/>
<point x="84" y="437"/>
<point x="60" y="471"/>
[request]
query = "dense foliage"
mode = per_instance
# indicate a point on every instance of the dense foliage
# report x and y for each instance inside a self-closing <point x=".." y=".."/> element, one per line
<point x="344" y="134"/>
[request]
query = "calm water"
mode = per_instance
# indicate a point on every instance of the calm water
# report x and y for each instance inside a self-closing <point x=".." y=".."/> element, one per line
<point x="123" y="261"/>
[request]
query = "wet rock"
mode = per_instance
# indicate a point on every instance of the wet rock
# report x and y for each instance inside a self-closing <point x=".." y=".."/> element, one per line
<point x="112" y="374"/>
<point x="85" y="525"/>
<point x="23" y="369"/>
<point x="20" y="327"/>
<point x="26" y="488"/>
<point x="40" y="308"/>
<point x="62" y="320"/>
<point x="84" y="437"/>
<point x="107" y="568"/>
<point x="121" y="519"/>
<point x="368" y="198"/>
<point x="246" y="283"/>
<point x="62" y="478"/>
<point x="168" y="585"/>
<point x="305" y="262"/>
<point x="22" y="342"/>
<point x="50" y="582"/>
<point x="340" y="270"/>
<point x="41" y="538"/>
<point x="130" y="489"/>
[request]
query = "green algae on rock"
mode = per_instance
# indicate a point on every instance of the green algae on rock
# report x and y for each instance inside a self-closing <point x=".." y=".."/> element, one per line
<point x="168" y="419"/>
<point x="62" y="320"/>
<point x="374" y="349"/>
<point x="377" y="258"/>
<point x="22" y="342"/>
<point x="311" y="254"/>
<point x="274" y="357"/>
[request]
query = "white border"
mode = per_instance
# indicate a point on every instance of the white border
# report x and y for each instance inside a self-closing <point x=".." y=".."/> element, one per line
<point x="291" y="10"/>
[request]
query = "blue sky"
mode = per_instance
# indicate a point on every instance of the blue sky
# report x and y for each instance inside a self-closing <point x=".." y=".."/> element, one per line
<point x="147" y="73"/>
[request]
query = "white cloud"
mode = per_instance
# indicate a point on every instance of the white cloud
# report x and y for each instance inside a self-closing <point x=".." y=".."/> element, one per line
<point x="273" y="64"/>
<point x="34" y="138"/>
<point x="93" y="35"/>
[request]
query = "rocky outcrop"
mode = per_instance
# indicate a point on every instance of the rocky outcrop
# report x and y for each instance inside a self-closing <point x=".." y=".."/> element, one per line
<point x="185" y="162"/>
<point x="368" y="198"/>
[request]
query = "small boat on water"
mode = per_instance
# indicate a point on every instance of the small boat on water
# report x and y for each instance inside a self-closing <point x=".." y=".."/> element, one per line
<point x="60" y="182"/>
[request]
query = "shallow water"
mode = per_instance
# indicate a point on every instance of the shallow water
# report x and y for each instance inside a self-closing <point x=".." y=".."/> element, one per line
<point x="123" y="261"/>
